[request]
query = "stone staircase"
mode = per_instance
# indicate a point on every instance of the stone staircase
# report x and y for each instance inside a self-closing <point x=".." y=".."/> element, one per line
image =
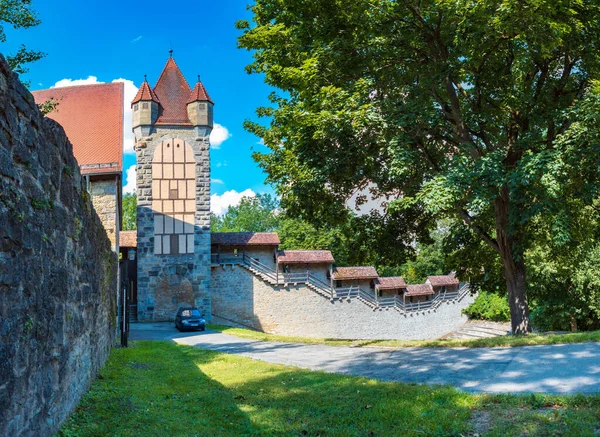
<point x="474" y="329"/>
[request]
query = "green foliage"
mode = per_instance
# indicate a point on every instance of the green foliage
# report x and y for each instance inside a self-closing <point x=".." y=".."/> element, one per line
<point x="564" y="281"/>
<point x="48" y="106"/>
<point x="42" y="203"/>
<point x="483" y="111"/>
<point x="488" y="306"/>
<point x="169" y="389"/>
<point x="18" y="14"/>
<point x="355" y="241"/>
<point x="129" y="212"/>
<point x="253" y="214"/>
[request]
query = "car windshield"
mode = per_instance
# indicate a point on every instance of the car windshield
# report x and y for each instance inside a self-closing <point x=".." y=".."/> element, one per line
<point x="190" y="313"/>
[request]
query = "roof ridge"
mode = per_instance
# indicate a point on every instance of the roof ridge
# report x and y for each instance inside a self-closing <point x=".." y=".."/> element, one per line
<point x="171" y="59"/>
<point x="199" y="93"/>
<point x="145" y="88"/>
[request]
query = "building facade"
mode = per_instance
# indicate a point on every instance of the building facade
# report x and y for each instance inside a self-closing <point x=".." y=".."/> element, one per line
<point x="172" y="124"/>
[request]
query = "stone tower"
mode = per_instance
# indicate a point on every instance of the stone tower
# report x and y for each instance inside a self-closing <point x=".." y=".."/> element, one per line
<point x="172" y="124"/>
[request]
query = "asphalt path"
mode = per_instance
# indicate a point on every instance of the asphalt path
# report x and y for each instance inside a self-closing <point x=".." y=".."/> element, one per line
<point x="560" y="369"/>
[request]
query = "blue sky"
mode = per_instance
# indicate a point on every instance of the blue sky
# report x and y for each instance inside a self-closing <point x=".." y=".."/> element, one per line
<point x="111" y="40"/>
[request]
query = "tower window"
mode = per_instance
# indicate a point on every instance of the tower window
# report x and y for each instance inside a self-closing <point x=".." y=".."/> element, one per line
<point x="135" y="107"/>
<point x="145" y="105"/>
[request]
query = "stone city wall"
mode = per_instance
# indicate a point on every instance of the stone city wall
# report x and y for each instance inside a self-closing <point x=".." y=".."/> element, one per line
<point x="242" y="298"/>
<point x="57" y="271"/>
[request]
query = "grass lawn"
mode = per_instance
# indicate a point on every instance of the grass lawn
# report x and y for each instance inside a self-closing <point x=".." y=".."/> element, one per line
<point x="507" y="341"/>
<point x="158" y="388"/>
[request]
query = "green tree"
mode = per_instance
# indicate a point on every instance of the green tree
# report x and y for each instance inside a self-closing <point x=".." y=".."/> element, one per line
<point x="463" y="107"/>
<point x="253" y="214"/>
<point x="18" y="14"/>
<point x="129" y="212"/>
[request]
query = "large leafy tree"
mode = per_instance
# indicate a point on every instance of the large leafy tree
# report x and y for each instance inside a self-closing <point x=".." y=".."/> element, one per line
<point x="252" y="214"/>
<point x="467" y="108"/>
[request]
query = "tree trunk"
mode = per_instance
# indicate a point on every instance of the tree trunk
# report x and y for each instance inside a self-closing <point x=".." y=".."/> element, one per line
<point x="511" y="252"/>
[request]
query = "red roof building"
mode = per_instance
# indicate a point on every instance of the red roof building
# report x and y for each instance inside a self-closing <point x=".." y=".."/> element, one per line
<point x="92" y="117"/>
<point x="419" y="290"/>
<point x="390" y="283"/>
<point x="128" y="239"/>
<point x="346" y="273"/>
<point x="244" y="238"/>
<point x="442" y="280"/>
<point x="304" y="257"/>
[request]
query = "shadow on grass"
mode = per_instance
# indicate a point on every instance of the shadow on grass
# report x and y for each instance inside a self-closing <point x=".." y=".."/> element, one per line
<point x="159" y="388"/>
<point x="152" y="388"/>
<point x="289" y="401"/>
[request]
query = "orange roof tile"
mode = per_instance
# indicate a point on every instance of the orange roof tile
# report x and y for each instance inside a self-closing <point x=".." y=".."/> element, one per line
<point x="390" y="283"/>
<point x="128" y="239"/>
<point x="199" y="93"/>
<point x="442" y="280"/>
<point x="145" y="93"/>
<point x="92" y="117"/>
<point x="244" y="238"/>
<point x="419" y="290"/>
<point x="173" y="91"/>
<point x="304" y="257"/>
<point x="365" y="272"/>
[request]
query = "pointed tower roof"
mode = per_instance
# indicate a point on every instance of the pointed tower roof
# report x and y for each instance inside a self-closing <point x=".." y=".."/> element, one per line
<point x="199" y="93"/>
<point x="145" y="93"/>
<point x="173" y="91"/>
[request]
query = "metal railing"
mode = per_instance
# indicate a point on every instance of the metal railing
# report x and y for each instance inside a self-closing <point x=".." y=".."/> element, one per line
<point x="351" y="292"/>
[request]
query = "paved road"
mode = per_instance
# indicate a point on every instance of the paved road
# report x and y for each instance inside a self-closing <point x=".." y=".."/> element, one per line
<point x="570" y="369"/>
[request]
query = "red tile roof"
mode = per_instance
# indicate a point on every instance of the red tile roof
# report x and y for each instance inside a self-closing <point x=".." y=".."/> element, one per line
<point x="304" y="256"/>
<point x="390" y="283"/>
<point x="173" y="91"/>
<point x="244" y="238"/>
<point x="366" y="272"/>
<point x="145" y="93"/>
<point x="128" y="239"/>
<point x="443" y="280"/>
<point x="199" y="93"/>
<point x="419" y="290"/>
<point x="92" y="117"/>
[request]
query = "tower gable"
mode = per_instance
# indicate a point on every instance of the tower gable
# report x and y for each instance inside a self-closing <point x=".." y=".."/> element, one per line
<point x="173" y="92"/>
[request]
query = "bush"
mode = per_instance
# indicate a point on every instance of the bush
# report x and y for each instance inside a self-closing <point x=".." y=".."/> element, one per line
<point x="488" y="306"/>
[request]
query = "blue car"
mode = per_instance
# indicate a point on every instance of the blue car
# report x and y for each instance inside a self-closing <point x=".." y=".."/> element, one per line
<point x="190" y="319"/>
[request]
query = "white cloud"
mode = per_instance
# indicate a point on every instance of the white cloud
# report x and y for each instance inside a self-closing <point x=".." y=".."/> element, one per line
<point x="134" y="40"/>
<point x="220" y="204"/>
<point x="217" y="181"/>
<point x="218" y="135"/>
<point x="130" y="177"/>
<point x="129" y="94"/>
<point x="130" y="90"/>
<point x="72" y="82"/>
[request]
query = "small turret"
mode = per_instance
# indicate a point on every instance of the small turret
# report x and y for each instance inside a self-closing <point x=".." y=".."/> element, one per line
<point x="145" y="110"/>
<point x="200" y="109"/>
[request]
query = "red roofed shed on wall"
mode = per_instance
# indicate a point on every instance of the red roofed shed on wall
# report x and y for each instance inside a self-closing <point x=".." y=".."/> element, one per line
<point x="92" y="117"/>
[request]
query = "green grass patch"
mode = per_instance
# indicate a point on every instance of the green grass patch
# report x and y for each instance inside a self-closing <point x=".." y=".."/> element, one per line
<point x="158" y="388"/>
<point x="504" y="341"/>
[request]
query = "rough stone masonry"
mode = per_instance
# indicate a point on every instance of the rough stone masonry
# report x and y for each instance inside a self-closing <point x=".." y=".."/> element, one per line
<point x="57" y="271"/>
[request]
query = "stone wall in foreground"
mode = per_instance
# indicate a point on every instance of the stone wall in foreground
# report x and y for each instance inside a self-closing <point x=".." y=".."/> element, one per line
<point x="57" y="271"/>
<point x="241" y="298"/>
